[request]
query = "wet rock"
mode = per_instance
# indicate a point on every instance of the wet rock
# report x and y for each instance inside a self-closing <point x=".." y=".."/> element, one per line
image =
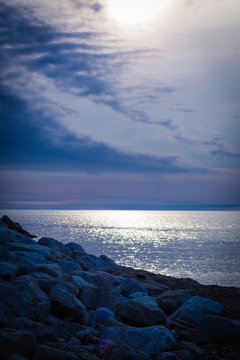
<point x="66" y="304"/>
<point x="7" y="270"/>
<point x="125" y="352"/>
<point x="171" y="300"/>
<point x="130" y="286"/>
<point x="196" y="309"/>
<point x="50" y="353"/>
<point x="142" y="311"/>
<point x="54" y="245"/>
<point x="150" y="340"/>
<point x="42" y="332"/>
<point x="16" y="342"/>
<point x="24" y="297"/>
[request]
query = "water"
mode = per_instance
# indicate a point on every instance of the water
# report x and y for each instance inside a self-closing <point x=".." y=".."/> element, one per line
<point x="203" y="245"/>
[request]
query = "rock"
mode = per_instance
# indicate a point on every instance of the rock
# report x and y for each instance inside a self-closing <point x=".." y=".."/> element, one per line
<point x="101" y="292"/>
<point x="142" y="311"/>
<point x="153" y="287"/>
<point x="50" y="353"/>
<point x="171" y="300"/>
<point x="91" y="262"/>
<point x="150" y="340"/>
<point x="24" y="298"/>
<point x="109" y="262"/>
<point x="16" y="342"/>
<point x="39" y="249"/>
<point x="6" y="236"/>
<point x="3" y="317"/>
<point x="125" y="352"/>
<point x="219" y="330"/>
<point x="7" y="270"/>
<point x="129" y="286"/>
<point x="101" y="316"/>
<point x="15" y="226"/>
<point x="27" y="260"/>
<point x="75" y="248"/>
<point x="66" y="304"/>
<point x="84" y="335"/>
<point x="196" y="309"/>
<point x="69" y="266"/>
<point x="167" y="356"/>
<point x="51" y="269"/>
<point x="136" y="295"/>
<point x="54" y="245"/>
<point x="43" y="333"/>
<point x="17" y="357"/>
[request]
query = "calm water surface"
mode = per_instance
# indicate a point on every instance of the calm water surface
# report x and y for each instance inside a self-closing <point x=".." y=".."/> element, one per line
<point x="203" y="245"/>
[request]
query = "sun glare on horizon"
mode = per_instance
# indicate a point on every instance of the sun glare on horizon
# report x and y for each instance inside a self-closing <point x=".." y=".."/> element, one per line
<point x="135" y="11"/>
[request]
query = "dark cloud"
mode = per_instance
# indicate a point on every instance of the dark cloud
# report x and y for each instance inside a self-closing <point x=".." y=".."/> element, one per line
<point x="25" y="145"/>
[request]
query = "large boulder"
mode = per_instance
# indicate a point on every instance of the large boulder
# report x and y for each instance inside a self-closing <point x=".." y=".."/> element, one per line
<point x="69" y="266"/>
<point x="126" y="352"/>
<point x="16" y="226"/>
<point x="129" y="286"/>
<point x="4" y="253"/>
<point x="24" y="297"/>
<point x="54" y="244"/>
<point x="41" y="250"/>
<point x="66" y="304"/>
<point x="196" y="309"/>
<point x="92" y="262"/>
<point x="75" y="248"/>
<point x="27" y="260"/>
<point x="171" y="300"/>
<point x="101" y="316"/>
<point x="14" y="341"/>
<point x="8" y="270"/>
<point x="141" y="311"/>
<point x="150" y="340"/>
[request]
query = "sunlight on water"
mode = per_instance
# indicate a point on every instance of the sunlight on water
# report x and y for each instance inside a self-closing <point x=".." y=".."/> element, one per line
<point x="202" y="245"/>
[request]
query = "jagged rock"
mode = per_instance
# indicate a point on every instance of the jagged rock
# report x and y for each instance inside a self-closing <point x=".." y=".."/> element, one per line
<point x="69" y="266"/>
<point x="66" y="304"/>
<point x="75" y="248"/>
<point x="24" y="297"/>
<point x="129" y="286"/>
<point x="101" y="316"/>
<point x="43" y="333"/>
<point x="150" y="340"/>
<point x="142" y="311"/>
<point x="196" y="309"/>
<point x="16" y="342"/>
<point x="50" y="353"/>
<point x="101" y="292"/>
<point x="125" y="352"/>
<point x="171" y="300"/>
<point x="15" y="226"/>
<point x="7" y="270"/>
<point x="54" y="245"/>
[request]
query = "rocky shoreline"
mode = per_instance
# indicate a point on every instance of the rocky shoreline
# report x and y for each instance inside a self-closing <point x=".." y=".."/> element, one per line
<point x="59" y="303"/>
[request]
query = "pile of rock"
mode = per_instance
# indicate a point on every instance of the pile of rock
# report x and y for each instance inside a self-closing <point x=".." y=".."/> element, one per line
<point x="59" y="303"/>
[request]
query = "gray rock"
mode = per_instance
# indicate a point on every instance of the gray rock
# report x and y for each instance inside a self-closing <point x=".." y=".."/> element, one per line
<point x="101" y="316"/>
<point x="16" y="342"/>
<point x="142" y="311"/>
<point x="125" y="352"/>
<point x="91" y="262"/>
<point x="43" y="333"/>
<point x="54" y="245"/>
<point x="24" y="297"/>
<point x="69" y="266"/>
<point x="27" y="260"/>
<point x="50" y="269"/>
<point x="171" y="300"/>
<point x="150" y="340"/>
<point x="73" y="247"/>
<point x="50" y="353"/>
<point x="196" y="309"/>
<point x="109" y="262"/>
<point x="39" y="249"/>
<point x="66" y="304"/>
<point x="7" y="270"/>
<point x="130" y="286"/>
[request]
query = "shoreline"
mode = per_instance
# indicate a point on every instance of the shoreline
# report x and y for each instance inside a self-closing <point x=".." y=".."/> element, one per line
<point x="73" y="305"/>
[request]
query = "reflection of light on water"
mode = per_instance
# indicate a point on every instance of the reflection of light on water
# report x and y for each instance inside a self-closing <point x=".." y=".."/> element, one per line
<point x="201" y="245"/>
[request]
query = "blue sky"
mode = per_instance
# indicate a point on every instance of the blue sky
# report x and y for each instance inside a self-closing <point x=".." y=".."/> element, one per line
<point x="103" y="111"/>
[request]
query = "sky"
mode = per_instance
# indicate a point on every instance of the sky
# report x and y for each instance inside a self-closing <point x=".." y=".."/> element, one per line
<point x="109" y="104"/>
